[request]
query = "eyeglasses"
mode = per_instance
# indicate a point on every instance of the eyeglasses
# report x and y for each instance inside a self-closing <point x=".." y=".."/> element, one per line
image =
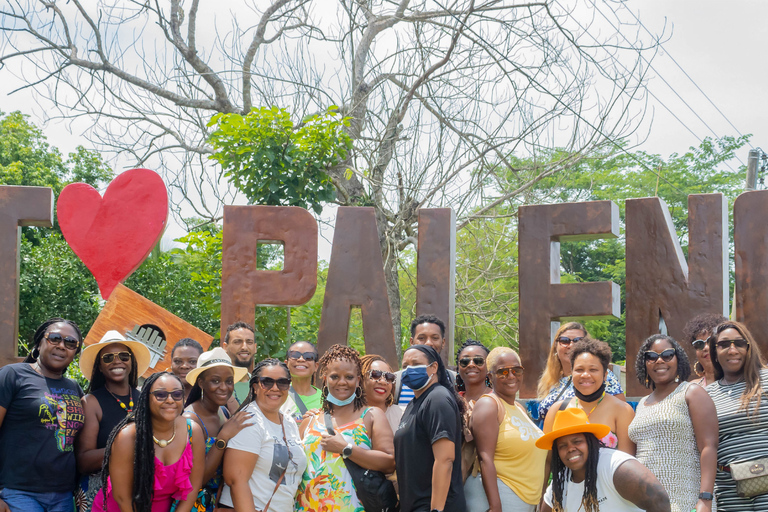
<point x="464" y="361"/>
<point x="665" y="355"/>
<point x="378" y="374"/>
<point x="55" y="338"/>
<point x="308" y="356"/>
<point x="268" y="383"/>
<point x="110" y="357"/>
<point x="726" y="344"/>
<point x="517" y="371"/>
<point x="162" y="395"/>
<point x="565" y="340"/>
<point x="699" y="344"/>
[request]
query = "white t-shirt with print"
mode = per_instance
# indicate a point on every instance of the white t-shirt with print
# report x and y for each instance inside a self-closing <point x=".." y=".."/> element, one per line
<point x="608" y="498"/>
<point x="265" y="439"/>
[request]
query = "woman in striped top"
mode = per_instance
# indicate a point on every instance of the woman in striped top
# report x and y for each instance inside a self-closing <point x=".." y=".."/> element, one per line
<point x="742" y="410"/>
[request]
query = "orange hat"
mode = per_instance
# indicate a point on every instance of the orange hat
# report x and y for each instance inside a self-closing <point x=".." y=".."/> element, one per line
<point x="571" y="421"/>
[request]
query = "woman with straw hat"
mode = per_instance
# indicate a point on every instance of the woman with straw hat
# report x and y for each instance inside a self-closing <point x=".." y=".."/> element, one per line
<point x="213" y="383"/>
<point x="590" y="478"/>
<point x="113" y="367"/>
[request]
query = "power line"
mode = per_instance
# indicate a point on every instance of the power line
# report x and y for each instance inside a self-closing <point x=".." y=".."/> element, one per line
<point x="692" y="80"/>
<point x="650" y="64"/>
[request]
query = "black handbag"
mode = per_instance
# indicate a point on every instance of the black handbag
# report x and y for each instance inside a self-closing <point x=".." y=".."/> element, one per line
<point x="375" y="492"/>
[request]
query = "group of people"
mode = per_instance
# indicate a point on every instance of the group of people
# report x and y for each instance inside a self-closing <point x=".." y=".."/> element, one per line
<point x="221" y="431"/>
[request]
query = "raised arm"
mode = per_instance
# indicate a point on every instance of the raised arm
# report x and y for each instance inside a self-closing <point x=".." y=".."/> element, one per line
<point x="702" y="411"/>
<point x="637" y="484"/>
<point x="485" y="430"/>
<point x="231" y="427"/>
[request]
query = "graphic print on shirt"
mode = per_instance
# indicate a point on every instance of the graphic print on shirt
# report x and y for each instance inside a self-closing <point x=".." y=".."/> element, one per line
<point x="526" y="430"/>
<point x="280" y="457"/>
<point x="62" y="412"/>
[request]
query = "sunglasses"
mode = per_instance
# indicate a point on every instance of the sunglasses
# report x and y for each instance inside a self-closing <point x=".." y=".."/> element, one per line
<point x="464" y="361"/>
<point x="308" y="356"/>
<point x="665" y="355"/>
<point x="699" y="344"/>
<point x="162" y="395"/>
<point x="70" y="343"/>
<point x="726" y="344"/>
<point x="565" y="340"/>
<point x="268" y="383"/>
<point x="517" y="371"/>
<point x="378" y="374"/>
<point x="110" y="357"/>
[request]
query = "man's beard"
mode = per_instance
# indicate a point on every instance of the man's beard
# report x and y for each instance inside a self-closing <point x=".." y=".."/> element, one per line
<point x="242" y="364"/>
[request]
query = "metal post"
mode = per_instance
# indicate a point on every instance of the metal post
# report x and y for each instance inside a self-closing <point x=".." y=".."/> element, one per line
<point x="754" y="157"/>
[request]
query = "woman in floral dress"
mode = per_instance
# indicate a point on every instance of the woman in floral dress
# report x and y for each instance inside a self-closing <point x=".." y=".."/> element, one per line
<point x="360" y="433"/>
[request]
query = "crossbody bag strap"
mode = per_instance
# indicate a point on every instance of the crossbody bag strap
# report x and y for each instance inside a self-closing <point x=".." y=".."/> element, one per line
<point x="565" y="387"/>
<point x="282" y="475"/>
<point x="297" y="400"/>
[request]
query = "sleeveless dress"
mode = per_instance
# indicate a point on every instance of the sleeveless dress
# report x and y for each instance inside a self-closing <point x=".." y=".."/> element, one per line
<point x="326" y="484"/>
<point x="663" y="433"/>
<point x="171" y="482"/>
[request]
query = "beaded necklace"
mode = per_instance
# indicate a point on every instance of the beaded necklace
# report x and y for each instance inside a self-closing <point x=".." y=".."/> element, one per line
<point x="128" y="408"/>
<point x="595" y="407"/>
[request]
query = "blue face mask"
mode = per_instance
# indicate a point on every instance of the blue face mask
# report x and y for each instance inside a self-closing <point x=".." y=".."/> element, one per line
<point x="415" y="377"/>
<point x="340" y="403"/>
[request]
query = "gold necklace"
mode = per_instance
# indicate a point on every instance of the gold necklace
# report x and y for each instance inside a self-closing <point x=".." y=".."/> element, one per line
<point x="162" y="443"/>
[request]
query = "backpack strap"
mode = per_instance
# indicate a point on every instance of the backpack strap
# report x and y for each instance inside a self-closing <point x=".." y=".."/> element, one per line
<point x="297" y="400"/>
<point x="398" y="386"/>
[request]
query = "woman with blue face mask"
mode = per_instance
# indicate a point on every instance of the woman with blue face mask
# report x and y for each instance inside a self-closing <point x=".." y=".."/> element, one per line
<point x="428" y="440"/>
<point x="360" y="433"/>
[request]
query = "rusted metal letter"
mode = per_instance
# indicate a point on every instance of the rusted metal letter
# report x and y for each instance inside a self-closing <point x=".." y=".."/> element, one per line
<point x="663" y="291"/>
<point x="19" y="206"/>
<point x="543" y="300"/>
<point x="750" y="211"/>
<point x="436" y="269"/>
<point x="243" y="286"/>
<point x="356" y="278"/>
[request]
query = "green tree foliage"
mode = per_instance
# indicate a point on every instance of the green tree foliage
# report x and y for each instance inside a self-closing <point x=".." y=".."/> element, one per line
<point x="272" y="162"/>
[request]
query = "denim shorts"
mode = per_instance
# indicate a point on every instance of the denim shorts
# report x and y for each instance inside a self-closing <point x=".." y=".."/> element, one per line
<point x="25" y="501"/>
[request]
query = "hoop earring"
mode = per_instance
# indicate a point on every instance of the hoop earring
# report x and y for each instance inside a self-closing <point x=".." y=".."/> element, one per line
<point x="359" y="391"/>
<point x="697" y="371"/>
<point x="324" y="392"/>
<point x="36" y="353"/>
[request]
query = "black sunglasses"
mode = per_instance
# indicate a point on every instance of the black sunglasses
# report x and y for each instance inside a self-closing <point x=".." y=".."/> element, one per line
<point x="308" y="356"/>
<point x="161" y="395"/>
<point x="699" y="344"/>
<point x="70" y="343"/>
<point x="378" y="374"/>
<point x="464" y="361"/>
<point x="268" y="383"/>
<point x="565" y="340"/>
<point x="665" y="355"/>
<point x="123" y="356"/>
<point x="517" y="371"/>
<point x="726" y="344"/>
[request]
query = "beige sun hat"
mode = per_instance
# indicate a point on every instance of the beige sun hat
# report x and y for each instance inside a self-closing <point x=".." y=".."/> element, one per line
<point x="88" y="357"/>
<point x="211" y="359"/>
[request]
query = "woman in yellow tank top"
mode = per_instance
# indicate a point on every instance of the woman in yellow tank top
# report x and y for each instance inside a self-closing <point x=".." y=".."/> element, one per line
<point x="511" y="468"/>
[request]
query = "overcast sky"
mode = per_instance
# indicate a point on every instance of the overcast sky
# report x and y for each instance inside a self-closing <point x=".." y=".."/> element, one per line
<point x="721" y="46"/>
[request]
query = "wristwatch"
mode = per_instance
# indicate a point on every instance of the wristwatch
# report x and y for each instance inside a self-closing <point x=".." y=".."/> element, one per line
<point x="220" y="444"/>
<point x="347" y="451"/>
<point x="708" y="496"/>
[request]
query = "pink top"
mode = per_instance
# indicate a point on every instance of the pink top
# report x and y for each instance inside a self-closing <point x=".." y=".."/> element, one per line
<point x="171" y="483"/>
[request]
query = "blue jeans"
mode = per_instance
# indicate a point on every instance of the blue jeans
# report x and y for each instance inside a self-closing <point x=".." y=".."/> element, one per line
<point x="23" y="501"/>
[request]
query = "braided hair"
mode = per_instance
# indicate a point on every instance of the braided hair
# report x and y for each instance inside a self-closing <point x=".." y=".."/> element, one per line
<point x="98" y="381"/>
<point x="460" y="386"/>
<point x="561" y="474"/>
<point x="144" y="450"/>
<point x="342" y="353"/>
<point x="40" y="333"/>
<point x="270" y="361"/>
<point x="366" y="366"/>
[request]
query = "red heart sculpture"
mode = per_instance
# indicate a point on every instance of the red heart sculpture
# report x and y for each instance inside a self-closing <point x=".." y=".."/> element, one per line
<point x="114" y="235"/>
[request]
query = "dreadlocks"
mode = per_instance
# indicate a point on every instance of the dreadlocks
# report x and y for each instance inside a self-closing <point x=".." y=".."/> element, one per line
<point x="460" y="386"/>
<point x="98" y="380"/>
<point x="270" y="361"/>
<point x="561" y="474"/>
<point x="342" y="353"/>
<point x="144" y="449"/>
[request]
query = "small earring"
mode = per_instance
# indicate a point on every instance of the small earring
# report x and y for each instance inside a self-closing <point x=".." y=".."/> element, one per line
<point x="677" y="378"/>
<point x="647" y="382"/>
